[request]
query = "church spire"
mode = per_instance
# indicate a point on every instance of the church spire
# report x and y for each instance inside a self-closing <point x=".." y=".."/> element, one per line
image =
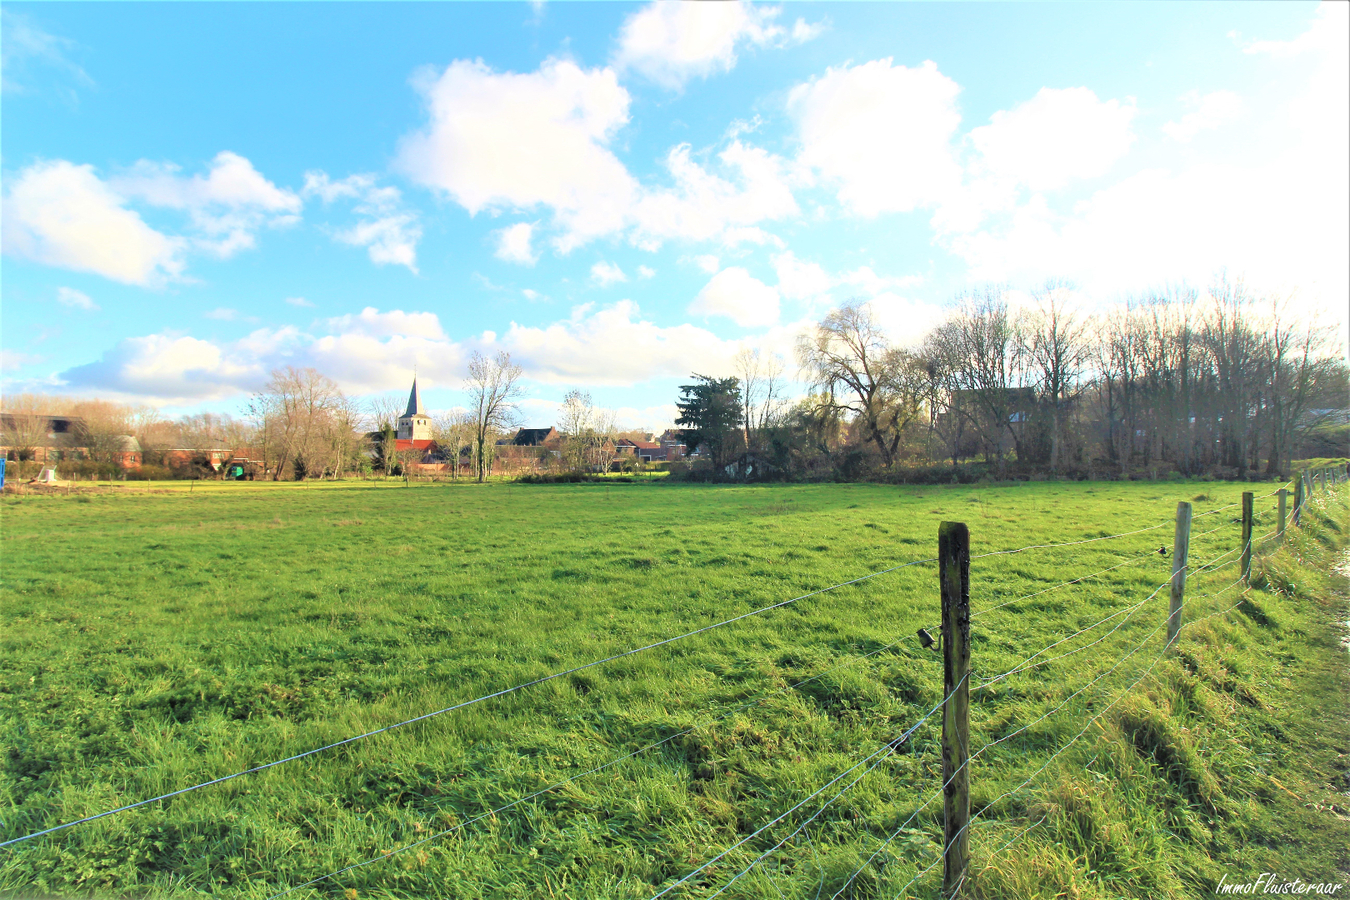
<point x="415" y="407"/>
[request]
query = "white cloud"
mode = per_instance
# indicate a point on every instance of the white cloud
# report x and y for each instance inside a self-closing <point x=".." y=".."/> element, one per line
<point x="300" y="301"/>
<point x="1207" y="112"/>
<point x="513" y="244"/>
<point x="395" y="323"/>
<point x="24" y="46"/>
<point x="388" y="239"/>
<point x="606" y="273"/>
<point x="906" y="321"/>
<point x="60" y="214"/>
<point x="613" y="346"/>
<point x="871" y="283"/>
<point x="518" y="141"/>
<point x="646" y="272"/>
<point x="880" y="133"/>
<point x="701" y="205"/>
<point x="226" y="207"/>
<point x="800" y="280"/>
<point x="13" y="360"/>
<point x="737" y="295"/>
<point x="1281" y="219"/>
<point x="734" y="237"/>
<point x="708" y="263"/>
<point x="375" y="351"/>
<point x="77" y="299"/>
<point x="1054" y="138"/>
<point x="168" y="367"/>
<point x="222" y="314"/>
<point x="387" y="230"/>
<point x="670" y="42"/>
<point x="803" y="31"/>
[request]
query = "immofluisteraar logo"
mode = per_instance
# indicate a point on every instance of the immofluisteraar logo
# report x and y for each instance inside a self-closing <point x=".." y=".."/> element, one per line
<point x="1272" y="883"/>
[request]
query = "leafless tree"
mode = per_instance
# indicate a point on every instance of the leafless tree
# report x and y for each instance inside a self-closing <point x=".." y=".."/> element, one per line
<point x="853" y="368"/>
<point x="494" y="387"/>
<point x="1054" y="345"/>
<point x="297" y="412"/>
<point x="761" y="377"/>
<point x="589" y="433"/>
<point x="453" y="432"/>
<point x="26" y="424"/>
<point x="980" y="361"/>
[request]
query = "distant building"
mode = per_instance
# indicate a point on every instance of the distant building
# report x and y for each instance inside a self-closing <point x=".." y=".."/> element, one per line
<point x="414" y="425"/>
<point x="534" y="437"/>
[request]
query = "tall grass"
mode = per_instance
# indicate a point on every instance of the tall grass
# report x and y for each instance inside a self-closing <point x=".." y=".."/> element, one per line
<point x="156" y="640"/>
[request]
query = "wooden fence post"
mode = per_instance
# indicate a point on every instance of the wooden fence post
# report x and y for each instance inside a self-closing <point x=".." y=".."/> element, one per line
<point x="1247" y="499"/>
<point x="954" y="577"/>
<point x="1181" y="551"/>
<point x="1298" y="498"/>
<point x="1284" y="510"/>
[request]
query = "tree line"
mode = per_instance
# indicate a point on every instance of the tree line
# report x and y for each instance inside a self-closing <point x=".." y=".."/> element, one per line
<point x="1224" y="382"/>
<point x="1227" y="383"/>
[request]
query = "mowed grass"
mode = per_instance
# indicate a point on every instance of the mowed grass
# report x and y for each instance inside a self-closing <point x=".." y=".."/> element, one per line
<point x="155" y="640"/>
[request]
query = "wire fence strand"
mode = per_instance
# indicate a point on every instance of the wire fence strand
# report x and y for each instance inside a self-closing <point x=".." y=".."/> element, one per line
<point x="467" y="703"/>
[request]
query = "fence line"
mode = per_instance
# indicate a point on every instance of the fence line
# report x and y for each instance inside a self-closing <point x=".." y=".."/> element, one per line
<point x="874" y="759"/>
<point x="422" y="718"/>
<point x="933" y="796"/>
<point x="1034" y="775"/>
<point x="886" y="747"/>
<point x="762" y="697"/>
<point x="1120" y="696"/>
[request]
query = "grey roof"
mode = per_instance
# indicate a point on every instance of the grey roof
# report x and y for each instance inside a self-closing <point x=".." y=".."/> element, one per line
<point x="415" y="407"/>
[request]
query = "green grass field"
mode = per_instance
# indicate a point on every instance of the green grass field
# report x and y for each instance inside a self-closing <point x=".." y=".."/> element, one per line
<point x="151" y="640"/>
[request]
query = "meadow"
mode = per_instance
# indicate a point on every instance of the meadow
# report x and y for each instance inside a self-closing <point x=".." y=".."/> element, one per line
<point x="155" y="639"/>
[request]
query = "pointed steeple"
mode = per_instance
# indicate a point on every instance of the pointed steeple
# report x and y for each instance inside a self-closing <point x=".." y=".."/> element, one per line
<point x="414" y="402"/>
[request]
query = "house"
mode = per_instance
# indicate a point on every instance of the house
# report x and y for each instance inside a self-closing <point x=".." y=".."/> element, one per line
<point x="647" y="451"/>
<point x="535" y="437"/>
<point x="49" y="439"/>
<point x="213" y="456"/>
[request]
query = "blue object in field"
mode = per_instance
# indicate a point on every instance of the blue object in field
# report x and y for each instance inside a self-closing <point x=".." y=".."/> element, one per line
<point x="2" y="474"/>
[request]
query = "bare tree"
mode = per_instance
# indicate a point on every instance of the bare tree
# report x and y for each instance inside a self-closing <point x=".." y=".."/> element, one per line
<point x="589" y="433"/>
<point x="494" y="387"/>
<point x="980" y="363"/>
<point x="1053" y="341"/>
<point x="26" y="424"/>
<point x="761" y="377"/>
<point x="104" y="427"/>
<point x="297" y="411"/>
<point x="453" y="431"/>
<point x="853" y="368"/>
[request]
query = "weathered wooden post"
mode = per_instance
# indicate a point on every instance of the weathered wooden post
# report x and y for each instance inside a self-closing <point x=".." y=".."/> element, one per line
<point x="954" y="577"/>
<point x="1284" y="509"/>
<point x="1298" y="498"/>
<point x="1181" y="550"/>
<point x="1247" y="499"/>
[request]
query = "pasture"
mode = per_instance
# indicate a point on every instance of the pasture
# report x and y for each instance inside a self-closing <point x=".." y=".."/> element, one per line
<point x="152" y="640"/>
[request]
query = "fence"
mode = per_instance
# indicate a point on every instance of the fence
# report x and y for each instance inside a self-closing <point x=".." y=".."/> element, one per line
<point x="960" y="681"/>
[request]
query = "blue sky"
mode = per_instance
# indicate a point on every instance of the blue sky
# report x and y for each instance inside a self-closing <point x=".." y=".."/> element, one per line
<point x="621" y="194"/>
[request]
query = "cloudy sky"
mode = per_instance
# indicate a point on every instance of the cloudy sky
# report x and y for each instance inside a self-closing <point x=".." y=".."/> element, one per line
<point x="622" y="194"/>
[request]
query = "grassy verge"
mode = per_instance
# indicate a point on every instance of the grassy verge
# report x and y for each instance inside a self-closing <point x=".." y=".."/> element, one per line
<point x="151" y="641"/>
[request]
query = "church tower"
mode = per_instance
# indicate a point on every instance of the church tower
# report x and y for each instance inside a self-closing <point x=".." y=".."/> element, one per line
<point x="414" y="424"/>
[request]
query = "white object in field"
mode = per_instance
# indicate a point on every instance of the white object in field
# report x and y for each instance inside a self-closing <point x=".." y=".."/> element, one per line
<point x="48" y="476"/>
